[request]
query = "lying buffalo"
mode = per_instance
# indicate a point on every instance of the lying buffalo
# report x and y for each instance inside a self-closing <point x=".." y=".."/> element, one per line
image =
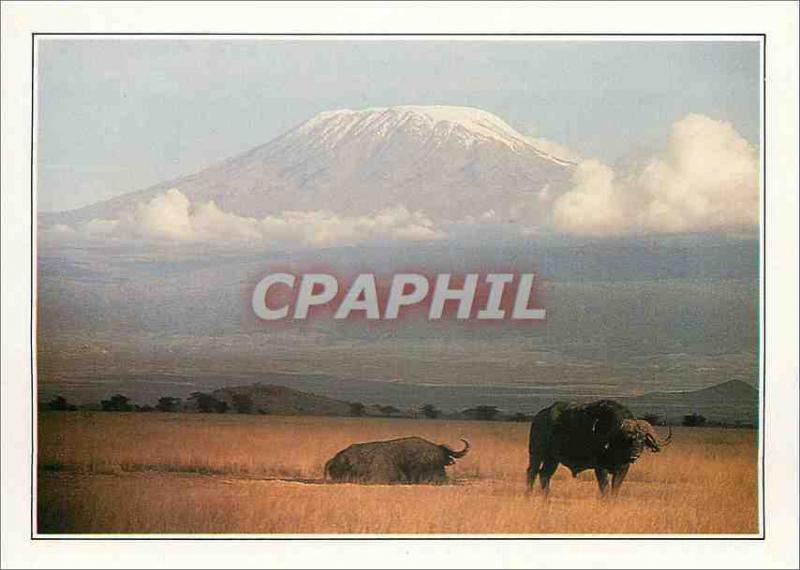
<point x="602" y="435"/>
<point x="404" y="460"/>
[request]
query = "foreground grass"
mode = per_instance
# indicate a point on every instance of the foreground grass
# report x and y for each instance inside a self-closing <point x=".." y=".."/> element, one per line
<point x="192" y="473"/>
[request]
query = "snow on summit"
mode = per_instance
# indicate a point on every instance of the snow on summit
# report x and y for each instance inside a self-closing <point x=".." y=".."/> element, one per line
<point x="465" y="124"/>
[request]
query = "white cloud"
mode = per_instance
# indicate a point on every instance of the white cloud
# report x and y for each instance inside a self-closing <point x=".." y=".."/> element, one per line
<point x="172" y="217"/>
<point x="595" y="205"/>
<point x="60" y="229"/>
<point x="706" y="181"/>
<point x="324" y="228"/>
<point x="100" y="227"/>
<point x="212" y="224"/>
<point x="167" y="216"/>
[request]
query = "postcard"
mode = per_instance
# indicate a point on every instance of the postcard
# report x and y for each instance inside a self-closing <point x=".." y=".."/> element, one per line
<point x="398" y="286"/>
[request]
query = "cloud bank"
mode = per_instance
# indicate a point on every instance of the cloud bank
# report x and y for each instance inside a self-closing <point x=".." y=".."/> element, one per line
<point x="707" y="181"/>
<point x="172" y="217"/>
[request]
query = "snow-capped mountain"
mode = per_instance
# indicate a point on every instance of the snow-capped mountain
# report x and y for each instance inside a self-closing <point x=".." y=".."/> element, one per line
<point x="449" y="162"/>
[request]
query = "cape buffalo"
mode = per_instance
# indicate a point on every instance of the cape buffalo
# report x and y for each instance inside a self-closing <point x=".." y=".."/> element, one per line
<point x="602" y="435"/>
<point x="404" y="460"/>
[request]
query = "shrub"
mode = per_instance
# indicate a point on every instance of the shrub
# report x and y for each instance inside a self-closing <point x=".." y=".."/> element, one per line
<point x="242" y="403"/>
<point x="483" y="413"/>
<point x="693" y="420"/>
<point x="357" y="409"/>
<point x="430" y="411"/>
<point x="168" y="404"/>
<point x="60" y="404"/>
<point x="206" y="403"/>
<point x="117" y="403"/>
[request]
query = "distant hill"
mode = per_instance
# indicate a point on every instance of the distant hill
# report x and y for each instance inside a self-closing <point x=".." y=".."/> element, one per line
<point x="280" y="400"/>
<point x="734" y="402"/>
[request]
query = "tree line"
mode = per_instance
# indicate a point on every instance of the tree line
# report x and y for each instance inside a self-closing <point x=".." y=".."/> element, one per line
<point x="203" y="402"/>
<point x="200" y="401"/>
<point x="243" y="404"/>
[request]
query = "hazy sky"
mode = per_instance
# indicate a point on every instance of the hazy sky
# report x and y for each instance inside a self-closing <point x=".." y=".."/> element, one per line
<point x="120" y="115"/>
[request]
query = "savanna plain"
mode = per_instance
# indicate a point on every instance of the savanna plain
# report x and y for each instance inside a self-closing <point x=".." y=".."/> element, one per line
<point x="206" y="473"/>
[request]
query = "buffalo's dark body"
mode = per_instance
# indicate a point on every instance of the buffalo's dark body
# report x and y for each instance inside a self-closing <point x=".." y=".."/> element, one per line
<point x="602" y="435"/>
<point x="404" y="460"/>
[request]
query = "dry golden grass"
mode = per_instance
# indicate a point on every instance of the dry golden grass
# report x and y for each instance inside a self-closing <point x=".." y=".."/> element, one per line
<point x="193" y="473"/>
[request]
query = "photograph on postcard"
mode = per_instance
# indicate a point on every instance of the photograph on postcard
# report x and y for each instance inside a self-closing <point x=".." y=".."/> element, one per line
<point x="407" y="285"/>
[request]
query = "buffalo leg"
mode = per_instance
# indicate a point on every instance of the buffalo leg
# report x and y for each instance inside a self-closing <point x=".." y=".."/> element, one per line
<point x="602" y="479"/>
<point x="533" y="470"/>
<point x="545" y="473"/>
<point x="618" y="478"/>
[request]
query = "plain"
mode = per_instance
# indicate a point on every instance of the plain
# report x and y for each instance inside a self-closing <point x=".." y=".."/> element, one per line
<point x="209" y="473"/>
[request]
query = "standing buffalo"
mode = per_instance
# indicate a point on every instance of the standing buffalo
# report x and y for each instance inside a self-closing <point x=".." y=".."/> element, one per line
<point x="602" y="435"/>
<point x="404" y="460"/>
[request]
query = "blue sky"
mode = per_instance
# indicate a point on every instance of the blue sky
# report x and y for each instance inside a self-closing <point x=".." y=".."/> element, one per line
<point x="119" y="115"/>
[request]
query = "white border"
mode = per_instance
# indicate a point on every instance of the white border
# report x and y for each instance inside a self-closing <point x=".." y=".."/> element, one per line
<point x="777" y="20"/>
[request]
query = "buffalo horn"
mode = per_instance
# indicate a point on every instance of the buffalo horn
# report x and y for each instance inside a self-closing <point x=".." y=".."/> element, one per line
<point x="667" y="441"/>
<point x="461" y="453"/>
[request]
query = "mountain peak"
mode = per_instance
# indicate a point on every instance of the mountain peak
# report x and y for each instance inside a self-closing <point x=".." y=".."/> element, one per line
<point x="450" y="162"/>
<point x="466" y="116"/>
<point x="468" y="125"/>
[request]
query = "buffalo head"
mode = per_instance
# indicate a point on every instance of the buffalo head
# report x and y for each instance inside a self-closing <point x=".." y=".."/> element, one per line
<point x="639" y="434"/>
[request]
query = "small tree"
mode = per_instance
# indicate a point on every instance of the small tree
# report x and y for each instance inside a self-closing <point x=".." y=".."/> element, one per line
<point x="206" y="403"/>
<point x="220" y="406"/>
<point x="483" y="413"/>
<point x="520" y="417"/>
<point x="117" y="403"/>
<point x="357" y="409"/>
<point x="168" y="404"/>
<point x="60" y="404"/>
<point x="242" y="403"/>
<point x="694" y="420"/>
<point x="430" y="411"/>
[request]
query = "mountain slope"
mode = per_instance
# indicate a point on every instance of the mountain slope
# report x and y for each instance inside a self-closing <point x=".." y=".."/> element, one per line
<point x="450" y="162"/>
<point x="283" y="401"/>
<point x="733" y="402"/>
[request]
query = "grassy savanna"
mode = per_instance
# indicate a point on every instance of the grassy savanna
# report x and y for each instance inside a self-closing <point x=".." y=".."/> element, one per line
<point x="201" y="473"/>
